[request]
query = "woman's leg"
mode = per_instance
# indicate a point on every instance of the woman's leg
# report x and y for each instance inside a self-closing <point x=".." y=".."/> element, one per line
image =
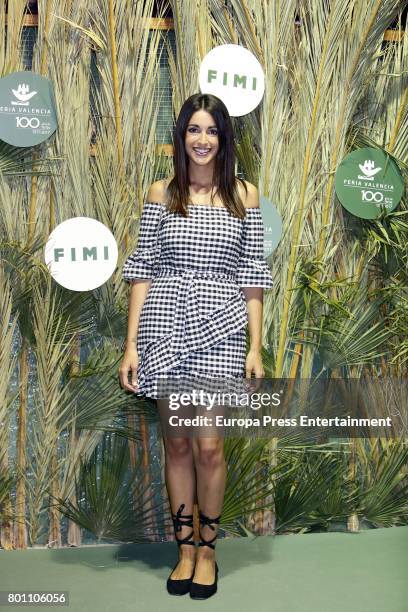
<point x="211" y="473"/>
<point x="180" y="483"/>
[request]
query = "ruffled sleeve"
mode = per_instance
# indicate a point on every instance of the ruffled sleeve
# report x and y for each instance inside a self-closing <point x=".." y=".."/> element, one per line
<point x="144" y="259"/>
<point x="253" y="269"/>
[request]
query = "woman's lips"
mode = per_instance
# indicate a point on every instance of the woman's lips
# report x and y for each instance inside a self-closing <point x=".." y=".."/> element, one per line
<point x="201" y="152"/>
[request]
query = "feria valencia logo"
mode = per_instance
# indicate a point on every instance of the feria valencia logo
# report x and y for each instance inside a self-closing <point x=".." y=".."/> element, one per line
<point x="81" y="254"/>
<point x="22" y="95"/>
<point x="27" y="109"/>
<point x="368" y="170"/>
<point x="368" y="183"/>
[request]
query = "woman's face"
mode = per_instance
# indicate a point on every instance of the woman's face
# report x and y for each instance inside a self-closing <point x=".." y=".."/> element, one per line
<point x="201" y="141"/>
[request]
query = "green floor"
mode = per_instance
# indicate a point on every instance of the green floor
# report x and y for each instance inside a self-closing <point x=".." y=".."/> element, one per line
<point x="322" y="572"/>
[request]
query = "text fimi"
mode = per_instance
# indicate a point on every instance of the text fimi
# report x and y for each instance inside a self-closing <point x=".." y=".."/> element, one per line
<point x="84" y="254"/>
<point x="238" y="80"/>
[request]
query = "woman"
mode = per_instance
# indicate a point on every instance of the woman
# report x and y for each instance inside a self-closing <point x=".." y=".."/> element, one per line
<point x="197" y="277"/>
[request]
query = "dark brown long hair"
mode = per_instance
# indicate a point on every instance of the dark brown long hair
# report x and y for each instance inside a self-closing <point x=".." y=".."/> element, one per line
<point x="224" y="178"/>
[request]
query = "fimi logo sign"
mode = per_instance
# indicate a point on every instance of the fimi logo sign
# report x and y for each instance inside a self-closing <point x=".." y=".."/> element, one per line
<point x="233" y="74"/>
<point x="237" y="80"/>
<point x="368" y="182"/>
<point x="81" y="254"/>
<point x="84" y="253"/>
<point x="27" y="109"/>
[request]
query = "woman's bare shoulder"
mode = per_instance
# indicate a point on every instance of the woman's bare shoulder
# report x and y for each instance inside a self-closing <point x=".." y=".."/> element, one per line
<point x="251" y="197"/>
<point x="157" y="192"/>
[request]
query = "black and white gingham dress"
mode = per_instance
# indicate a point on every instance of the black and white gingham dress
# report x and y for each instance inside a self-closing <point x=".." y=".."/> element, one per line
<point x="194" y="316"/>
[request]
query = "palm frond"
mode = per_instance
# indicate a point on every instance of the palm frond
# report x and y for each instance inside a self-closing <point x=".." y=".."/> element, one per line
<point x="112" y="504"/>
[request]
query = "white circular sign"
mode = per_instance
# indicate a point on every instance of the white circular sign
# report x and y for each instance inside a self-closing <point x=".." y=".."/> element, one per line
<point x="233" y="74"/>
<point x="81" y="254"/>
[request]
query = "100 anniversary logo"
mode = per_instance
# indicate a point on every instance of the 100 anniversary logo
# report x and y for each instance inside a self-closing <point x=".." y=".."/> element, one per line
<point x="367" y="182"/>
<point x="27" y="109"/>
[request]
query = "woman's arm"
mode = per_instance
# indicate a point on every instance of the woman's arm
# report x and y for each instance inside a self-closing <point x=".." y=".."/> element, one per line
<point x="138" y="270"/>
<point x="130" y="361"/>
<point x="254" y="273"/>
<point x="254" y="299"/>
<point x="138" y="293"/>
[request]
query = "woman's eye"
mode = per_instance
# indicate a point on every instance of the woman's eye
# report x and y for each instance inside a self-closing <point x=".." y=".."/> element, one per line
<point x="213" y="132"/>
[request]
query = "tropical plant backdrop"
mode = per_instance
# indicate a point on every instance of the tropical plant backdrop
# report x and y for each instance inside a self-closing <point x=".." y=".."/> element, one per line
<point x="80" y="459"/>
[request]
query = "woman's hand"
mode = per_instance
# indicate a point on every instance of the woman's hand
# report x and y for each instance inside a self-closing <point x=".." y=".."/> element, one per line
<point x="254" y="364"/>
<point x="130" y="361"/>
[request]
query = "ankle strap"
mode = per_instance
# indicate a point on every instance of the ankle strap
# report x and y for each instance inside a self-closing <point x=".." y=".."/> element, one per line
<point x="179" y="521"/>
<point x="205" y="520"/>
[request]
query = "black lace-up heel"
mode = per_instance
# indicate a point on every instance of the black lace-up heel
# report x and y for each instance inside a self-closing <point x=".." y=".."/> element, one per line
<point x="203" y="591"/>
<point x="181" y="587"/>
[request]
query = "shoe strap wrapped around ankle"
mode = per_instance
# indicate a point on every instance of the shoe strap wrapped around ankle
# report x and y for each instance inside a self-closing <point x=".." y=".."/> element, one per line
<point x="205" y="520"/>
<point x="179" y="522"/>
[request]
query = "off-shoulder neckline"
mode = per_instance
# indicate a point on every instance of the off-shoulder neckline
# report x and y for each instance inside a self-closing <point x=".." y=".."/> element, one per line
<point x="204" y="206"/>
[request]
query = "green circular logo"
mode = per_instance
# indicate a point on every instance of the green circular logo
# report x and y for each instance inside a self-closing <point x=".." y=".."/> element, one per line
<point x="272" y="222"/>
<point x="367" y="182"/>
<point x="27" y="109"/>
